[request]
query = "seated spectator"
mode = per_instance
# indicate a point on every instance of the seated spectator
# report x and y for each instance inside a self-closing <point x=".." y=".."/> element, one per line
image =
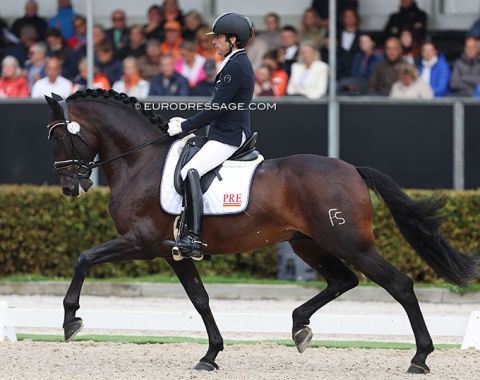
<point x="35" y="66"/>
<point x="80" y="82"/>
<point x="343" y="59"/>
<point x="154" y="28"/>
<point x="272" y="34"/>
<point x="466" y="69"/>
<point x="79" y="39"/>
<point x="28" y="36"/>
<point x="310" y="29"/>
<point x="385" y="72"/>
<point x="279" y="75"/>
<point x="172" y="12"/>
<point x="256" y="49"/>
<point x="288" y="53"/>
<point x="348" y="33"/>
<point x="30" y="18"/>
<point x="410" y="46"/>
<point x="263" y="81"/>
<point x="173" y="38"/>
<point x="309" y="76"/>
<point x="131" y="83"/>
<point x="206" y="87"/>
<point x="149" y="64"/>
<point x="99" y="37"/>
<point x="408" y="16"/>
<point x="136" y="44"/>
<point x="193" y="22"/>
<point x="190" y="65"/>
<point x="434" y="69"/>
<point x="57" y="47"/>
<point x="53" y="82"/>
<point x="63" y="20"/>
<point x="12" y="83"/>
<point x="205" y="46"/>
<point x="108" y="64"/>
<point x="117" y="35"/>
<point x="364" y="62"/>
<point x="409" y="85"/>
<point x="322" y="7"/>
<point x="168" y="82"/>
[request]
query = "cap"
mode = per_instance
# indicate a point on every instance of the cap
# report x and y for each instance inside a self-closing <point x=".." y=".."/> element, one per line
<point x="209" y="67"/>
<point x="172" y="25"/>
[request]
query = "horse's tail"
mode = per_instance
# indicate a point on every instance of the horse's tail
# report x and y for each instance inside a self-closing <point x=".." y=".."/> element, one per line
<point x="419" y="222"/>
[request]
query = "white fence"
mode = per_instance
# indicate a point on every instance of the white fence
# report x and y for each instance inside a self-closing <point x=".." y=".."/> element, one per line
<point x="466" y="327"/>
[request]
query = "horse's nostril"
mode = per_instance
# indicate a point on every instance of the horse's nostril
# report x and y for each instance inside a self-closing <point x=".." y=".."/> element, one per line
<point x="67" y="191"/>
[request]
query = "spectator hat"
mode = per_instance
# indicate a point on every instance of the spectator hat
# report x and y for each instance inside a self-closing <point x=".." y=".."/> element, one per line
<point x="172" y="25"/>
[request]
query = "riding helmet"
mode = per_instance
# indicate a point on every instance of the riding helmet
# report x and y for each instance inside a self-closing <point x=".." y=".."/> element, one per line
<point x="233" y="24"/>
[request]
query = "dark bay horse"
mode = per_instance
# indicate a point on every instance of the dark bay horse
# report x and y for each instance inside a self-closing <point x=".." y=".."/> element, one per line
<point x="320" y="205"/>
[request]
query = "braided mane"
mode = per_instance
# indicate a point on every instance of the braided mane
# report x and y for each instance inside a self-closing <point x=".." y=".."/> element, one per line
<point x="112" y="94"/>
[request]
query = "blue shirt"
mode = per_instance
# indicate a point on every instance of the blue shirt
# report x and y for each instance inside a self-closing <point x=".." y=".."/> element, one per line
<point x="177" y="85"/>
<point x="63" y="21"/>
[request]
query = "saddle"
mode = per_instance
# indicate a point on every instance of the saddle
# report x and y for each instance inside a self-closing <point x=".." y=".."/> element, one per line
<point x="245" y="152"/>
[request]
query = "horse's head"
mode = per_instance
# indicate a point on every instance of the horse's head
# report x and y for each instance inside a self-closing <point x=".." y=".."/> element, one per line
<point x="73" y="153"/>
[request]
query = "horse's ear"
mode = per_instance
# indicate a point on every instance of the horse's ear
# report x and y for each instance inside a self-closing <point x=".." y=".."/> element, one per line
<point x="56" y="97"/>
<point x="53" y="104"/>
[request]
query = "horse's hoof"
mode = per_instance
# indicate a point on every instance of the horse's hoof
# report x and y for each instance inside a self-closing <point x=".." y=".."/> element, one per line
<point x="204" y="366"/>
<point x="302" y="338"/>
<point x="72" y="329"/>
<point x="418" y="369"/>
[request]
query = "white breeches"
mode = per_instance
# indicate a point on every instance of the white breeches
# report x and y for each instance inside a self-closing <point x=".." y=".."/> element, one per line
<point x="212" y="154"/>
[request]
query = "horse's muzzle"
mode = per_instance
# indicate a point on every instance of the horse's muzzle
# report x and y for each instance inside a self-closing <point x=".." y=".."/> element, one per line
<point x="74" y="187"/>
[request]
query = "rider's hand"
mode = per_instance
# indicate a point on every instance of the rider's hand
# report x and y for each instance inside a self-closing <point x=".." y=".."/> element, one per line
<point x="175" y="126"/>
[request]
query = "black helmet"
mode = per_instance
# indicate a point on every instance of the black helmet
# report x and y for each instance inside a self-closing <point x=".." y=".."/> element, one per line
<point x="233" y="24"/>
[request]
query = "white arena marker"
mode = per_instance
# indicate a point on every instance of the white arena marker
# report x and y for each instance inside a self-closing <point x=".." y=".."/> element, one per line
<point x="6" y="331"/>
<point x="472" y="333"/>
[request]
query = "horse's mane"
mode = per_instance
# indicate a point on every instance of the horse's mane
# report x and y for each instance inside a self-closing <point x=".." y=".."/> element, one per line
<point x="112" y="94"/>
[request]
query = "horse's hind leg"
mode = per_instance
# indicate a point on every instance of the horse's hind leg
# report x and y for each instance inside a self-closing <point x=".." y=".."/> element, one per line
<point x="400" y="287"/>
<point x="187" y="273"/>
<point x="339" y="279"/>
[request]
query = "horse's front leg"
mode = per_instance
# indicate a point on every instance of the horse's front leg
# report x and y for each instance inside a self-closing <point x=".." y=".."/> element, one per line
<point x="188" y="275"/>
<point x="120" y="249"/>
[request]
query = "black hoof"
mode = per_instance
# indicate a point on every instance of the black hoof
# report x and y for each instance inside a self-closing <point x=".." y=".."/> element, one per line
<point x="302" y="338"/>
<point x="204" y="366"/>
<point x="72" y="329"/>
<point x="418" y="369"/>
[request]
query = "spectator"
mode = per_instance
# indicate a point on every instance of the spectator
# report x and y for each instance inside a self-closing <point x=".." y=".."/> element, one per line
<point x="256" y="49"/>
<point x="190" y="65"/>
<point x="57" y="47"/>
<point x="288" y="53"/>
<point x="364" y="62"/>
<point x="205" y="46"/>
<point x="79" y="39"/>
<point x="6" y="37"/>
<point x="173" y="38"/>
<point x="348" y="41"/>
<point x="279" y="75"/>
<point x="28" y="36"/>
<point x="410" y="46"/>
<point x="12" y="83"/>
<point x="30" y="18"/>
<point x="408" y="16"/>
<point x="466" y="69"/>
<point x="63" y="20"/>
<point x="343" y="59"/>
<point x="263" y="81"/>
<point x="80" y="82"/>
<point x="108" y="64"/>
<point x="35" y="66"/>
<point x="409" y="85"/>
<point x="193" y="22"/>
<point x="131" y="83"/>
<point x="309" y="76"/>
<point x="136" y="46"/>
<point x="53" y="82"/>
<point x="206" y="86"/>
<point x="272" y="34"/>
<point x="171" y="12"/>
<point x="168" y="82"/>
<point x="117" y="35"/>
<point x="385" y="73"/>
<point x="322" y="7"/>
<point x="311" y="29"/>
<point x="149" y="64"/>
<point x="99" y="37"/>
<point x="154" y="28"/>
<point x="434" y="69"/>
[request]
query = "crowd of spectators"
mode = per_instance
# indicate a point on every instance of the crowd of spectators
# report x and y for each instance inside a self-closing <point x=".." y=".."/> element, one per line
<point x="171" y="55"/>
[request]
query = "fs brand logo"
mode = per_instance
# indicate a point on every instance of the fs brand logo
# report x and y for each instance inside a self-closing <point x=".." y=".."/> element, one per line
<point x="232" y="200"/>
<point x="333" y="214"/>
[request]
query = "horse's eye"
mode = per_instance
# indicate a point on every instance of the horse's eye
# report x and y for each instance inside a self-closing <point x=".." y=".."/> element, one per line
<point x="59" y="138"/>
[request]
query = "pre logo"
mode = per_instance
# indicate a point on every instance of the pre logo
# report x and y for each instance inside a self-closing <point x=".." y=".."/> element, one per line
<point x="232" y="200"/>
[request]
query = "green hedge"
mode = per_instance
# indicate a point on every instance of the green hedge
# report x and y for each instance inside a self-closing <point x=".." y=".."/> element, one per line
<point x="43" y="232"/>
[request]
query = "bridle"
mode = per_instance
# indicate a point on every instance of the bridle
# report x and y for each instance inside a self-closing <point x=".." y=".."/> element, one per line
<point x="83" y="167"/>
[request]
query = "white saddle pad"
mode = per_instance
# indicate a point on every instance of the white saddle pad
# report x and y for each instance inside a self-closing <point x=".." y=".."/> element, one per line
<point x="228" y="196"/>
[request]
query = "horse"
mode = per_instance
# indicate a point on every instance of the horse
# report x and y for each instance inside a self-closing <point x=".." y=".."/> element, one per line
<point x="321" y="206"/>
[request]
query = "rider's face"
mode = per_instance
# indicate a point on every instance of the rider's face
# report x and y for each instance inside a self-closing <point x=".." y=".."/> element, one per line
<point x="220" y="43"/>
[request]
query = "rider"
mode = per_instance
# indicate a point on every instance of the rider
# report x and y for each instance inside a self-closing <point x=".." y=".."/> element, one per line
<point x="228" y="116"/>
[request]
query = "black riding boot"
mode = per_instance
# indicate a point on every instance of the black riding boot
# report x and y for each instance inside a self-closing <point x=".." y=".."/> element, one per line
<point x="191" y="245"/>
